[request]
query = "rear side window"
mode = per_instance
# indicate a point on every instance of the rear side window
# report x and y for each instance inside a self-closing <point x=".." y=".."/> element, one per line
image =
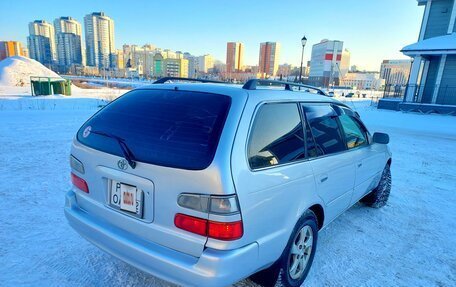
<point x="179" y="129"/>
<point x="276" y="136"/>
<point x="325" y="128"/>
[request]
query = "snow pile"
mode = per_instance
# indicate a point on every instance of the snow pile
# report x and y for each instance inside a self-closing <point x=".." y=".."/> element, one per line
<point x="16" y="71"/>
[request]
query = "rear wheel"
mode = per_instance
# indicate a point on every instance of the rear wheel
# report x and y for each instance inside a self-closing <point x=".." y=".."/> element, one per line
<point x="294" y="265"/>
<point x="379" y="196"/>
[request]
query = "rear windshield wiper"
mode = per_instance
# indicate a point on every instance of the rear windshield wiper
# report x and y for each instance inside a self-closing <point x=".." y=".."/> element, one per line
<point x="128" y="155"/>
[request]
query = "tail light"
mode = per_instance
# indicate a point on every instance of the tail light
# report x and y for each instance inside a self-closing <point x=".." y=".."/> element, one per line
<point x="214" y="229"/>
<point x="79" y="183"/>
<point x="222" y="205"/>
<point x="217" y="205"/>
<point x="225" y="230"/>
<point x="191" y="224"/>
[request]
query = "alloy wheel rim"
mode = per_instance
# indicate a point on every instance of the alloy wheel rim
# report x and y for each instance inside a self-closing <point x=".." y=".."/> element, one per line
<point x="300" y="252"/>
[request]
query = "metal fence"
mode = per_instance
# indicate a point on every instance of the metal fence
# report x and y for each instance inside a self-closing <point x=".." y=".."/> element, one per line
<point x="426" y="94"/>
<point x="394" y="91"/>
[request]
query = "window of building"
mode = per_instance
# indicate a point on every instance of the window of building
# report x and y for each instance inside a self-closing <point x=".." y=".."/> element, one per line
<point x="276" y="136"/>
<point x="325" y="129"/>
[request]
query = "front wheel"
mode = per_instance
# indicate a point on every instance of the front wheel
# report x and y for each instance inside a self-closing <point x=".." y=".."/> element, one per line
<point x="294" y="265"/>
<point x="379" y="196"/>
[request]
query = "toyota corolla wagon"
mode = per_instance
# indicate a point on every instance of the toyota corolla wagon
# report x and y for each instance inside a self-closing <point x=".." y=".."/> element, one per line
<point x="205" y="184"/>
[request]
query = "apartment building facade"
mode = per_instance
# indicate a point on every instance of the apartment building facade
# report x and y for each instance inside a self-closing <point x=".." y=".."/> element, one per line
<point x="205" y="63"/>
<point x="99" y="38"/>
<point x="329" y="63"/>
<point x="41" y="42"/>
<point x="10" y="49"/>
<point x="269" y="59"/>
<point x="395" y="72"/>
<point x="68" y="34"/>
<point x="234" y="57"/>
<point x="165" y="66"/>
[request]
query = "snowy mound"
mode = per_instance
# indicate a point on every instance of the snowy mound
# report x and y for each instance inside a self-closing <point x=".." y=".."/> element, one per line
<point x="16" y="71"/>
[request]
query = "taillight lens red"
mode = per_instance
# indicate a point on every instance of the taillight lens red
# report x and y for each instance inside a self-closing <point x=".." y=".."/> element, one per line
<point x="79" y="183"/>
<point x="214" y="229"/>
<point x="225" y="230"/>
<point x="191" y="224"/>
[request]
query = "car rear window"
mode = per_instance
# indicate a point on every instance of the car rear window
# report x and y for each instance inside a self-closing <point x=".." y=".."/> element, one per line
<point x="172" y="128"/>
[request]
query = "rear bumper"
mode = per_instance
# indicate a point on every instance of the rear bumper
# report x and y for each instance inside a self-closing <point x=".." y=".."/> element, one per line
<point x="212" y="268"/>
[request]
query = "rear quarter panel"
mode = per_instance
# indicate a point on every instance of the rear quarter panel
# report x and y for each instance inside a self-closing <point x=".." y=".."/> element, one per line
<point x="271" y="200"/>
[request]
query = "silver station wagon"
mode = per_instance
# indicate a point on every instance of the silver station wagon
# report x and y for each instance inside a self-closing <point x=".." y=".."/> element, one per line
<point x="205" y="184"/>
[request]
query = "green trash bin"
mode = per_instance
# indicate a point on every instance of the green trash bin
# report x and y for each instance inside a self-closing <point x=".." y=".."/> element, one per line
<point x="58" y="87"/>
<point x="35" y="88"/>
<point x="41" y="88"/>
<point x="46" y="89"/>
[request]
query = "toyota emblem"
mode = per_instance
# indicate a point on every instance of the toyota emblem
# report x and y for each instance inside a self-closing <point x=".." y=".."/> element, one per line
<point x="122" y="164"/>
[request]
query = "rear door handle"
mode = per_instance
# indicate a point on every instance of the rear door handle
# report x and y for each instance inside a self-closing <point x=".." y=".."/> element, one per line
<point x="360" y="164"/>
<point x="323" y="178"/>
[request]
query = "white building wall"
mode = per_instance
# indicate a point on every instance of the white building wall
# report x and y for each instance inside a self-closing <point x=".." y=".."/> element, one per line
<point x="325" y="62"/>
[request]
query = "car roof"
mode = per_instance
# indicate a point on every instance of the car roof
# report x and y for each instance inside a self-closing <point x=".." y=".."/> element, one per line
<point x="236" y="91"/>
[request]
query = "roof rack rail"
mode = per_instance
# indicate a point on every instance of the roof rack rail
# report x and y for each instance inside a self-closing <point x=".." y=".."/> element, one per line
<point x="253" y="83"/>
<point x="166" y="79"/>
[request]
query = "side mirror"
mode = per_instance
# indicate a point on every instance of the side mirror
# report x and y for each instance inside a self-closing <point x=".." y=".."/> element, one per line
<point x="381" y="138"/>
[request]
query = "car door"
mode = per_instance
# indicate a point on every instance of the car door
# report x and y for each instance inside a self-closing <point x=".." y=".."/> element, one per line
<point x="333" y="166"/>
<point x="367" y="158"/>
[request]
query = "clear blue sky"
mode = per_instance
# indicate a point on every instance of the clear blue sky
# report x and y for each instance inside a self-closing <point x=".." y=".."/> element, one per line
<point x="372" y="30"/>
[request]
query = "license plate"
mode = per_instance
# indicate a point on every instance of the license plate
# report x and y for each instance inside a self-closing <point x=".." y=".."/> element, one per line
<point x="126" y="197"/>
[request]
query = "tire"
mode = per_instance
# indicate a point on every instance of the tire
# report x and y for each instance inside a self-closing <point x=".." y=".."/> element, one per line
<point x="378" y="197"/>
<point x="303" y="241"/>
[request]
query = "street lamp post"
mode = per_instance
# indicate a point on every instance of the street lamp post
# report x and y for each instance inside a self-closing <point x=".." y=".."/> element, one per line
<point x="303" y="42"/>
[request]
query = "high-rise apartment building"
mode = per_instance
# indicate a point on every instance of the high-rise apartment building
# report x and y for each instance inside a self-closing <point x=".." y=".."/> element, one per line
<point x="395" y="72"/>
<point x="99" y="38"/>
<point x="10" y="49"/>
<point x="269" y="59"/>
<point x="69" y="42"/>
<point x="41" y="42"/>
<point x="329" y="63"/>
<point x="205" y="63"/>
<point x="234" y="57"/>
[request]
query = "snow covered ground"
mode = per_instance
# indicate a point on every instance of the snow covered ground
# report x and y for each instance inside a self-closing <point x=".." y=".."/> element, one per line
<point x="410" y="242"/>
